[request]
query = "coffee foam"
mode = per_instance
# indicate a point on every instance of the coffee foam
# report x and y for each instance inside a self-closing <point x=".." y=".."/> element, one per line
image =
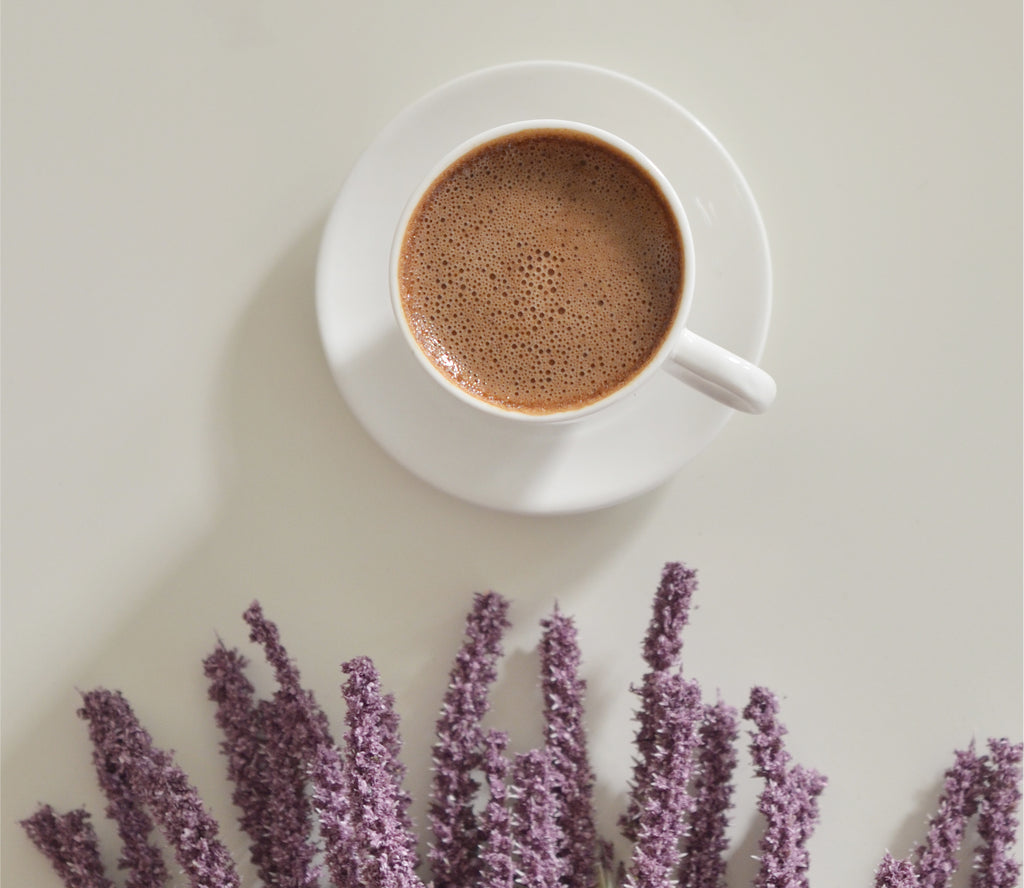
<point x="542" y="271"/>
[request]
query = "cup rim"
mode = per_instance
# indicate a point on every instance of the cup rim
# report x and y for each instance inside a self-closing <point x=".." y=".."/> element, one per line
<point x="683" y="308"/>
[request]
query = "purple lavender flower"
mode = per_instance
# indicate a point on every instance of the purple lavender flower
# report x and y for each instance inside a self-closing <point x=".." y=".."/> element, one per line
<point x="271" y="746"/>
<point x="141" y="858"/>
<point x="535" y="821"/>
<point x="390" y="724"/>
<point x="893" y="873"/>
<point x="666" y="739"/>
<point x="150" y="777"/>
<point x="294" y="730"/>
<point x="936" y="859"/>
<point x="244" y="748"/>
<point x="287" y="813"/>
<point x="997" y="821"/>
<point x="807" y="786"/>
<point x="788" y="801"/>
<point x="331" y="802"/>
<point x="703" y="864"/>
<point x="566" y="742"/>
<point x="664" y="642"/>
<point x="311" y="728"/>
<point x="662" y="647"/>
<point x="458" y="750"/>
<point x="496" y="856"/>
<point x="988" y="786"/>
<point x="376" y="802"/>
<point x="69" y="843"/>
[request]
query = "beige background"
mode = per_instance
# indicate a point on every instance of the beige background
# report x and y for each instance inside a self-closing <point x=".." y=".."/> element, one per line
<point x="173" y="444"/>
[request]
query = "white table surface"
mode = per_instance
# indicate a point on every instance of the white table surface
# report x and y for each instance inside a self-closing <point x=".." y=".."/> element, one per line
<point x="174" y="445"/>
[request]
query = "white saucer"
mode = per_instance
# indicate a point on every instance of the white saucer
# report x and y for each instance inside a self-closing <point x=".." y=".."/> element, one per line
<point x="618" y="453"/>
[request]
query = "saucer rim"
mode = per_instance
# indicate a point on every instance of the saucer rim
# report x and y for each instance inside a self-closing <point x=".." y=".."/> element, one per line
<point x="570" y="501"/>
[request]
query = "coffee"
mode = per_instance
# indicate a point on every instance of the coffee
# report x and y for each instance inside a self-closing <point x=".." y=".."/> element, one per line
<point x="541" y="271"/>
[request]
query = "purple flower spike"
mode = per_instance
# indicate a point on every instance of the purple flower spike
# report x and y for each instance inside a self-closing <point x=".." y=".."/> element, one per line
<point x="671" y="614"/>
<point x="454" y="854"/>
<point x="703" y="864"/>
<point x="997" y="821"/>
<point x="498" y="867"/>
<point x="271" y="746"/>
<point x="807" y="787"/>
<point x="662" y="646"/>
<point x="936" y="859"/>
<point x="150" y="777"/>
<point x="894" y="873"/>
<point x="69" y="843"/>
<point x="141" y="858"/>
<point x="311" y="726"/>
<point x="376" y="801"/>
<point x="285" y="760"/>
<point x="987" y="786"/>
<point x="535" y="822"/>
<point x="566" y="740"/>
<point x="295" y="729"/>
<point x="393" y="743"/>
<point x="331" y="801"/>
<point x="667" y="740"/>
<point x="789" y="801"/>
<point x="243" y="747"/>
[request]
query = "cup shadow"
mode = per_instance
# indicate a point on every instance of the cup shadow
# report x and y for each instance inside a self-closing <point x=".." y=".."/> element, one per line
<point x="346" y="550"/>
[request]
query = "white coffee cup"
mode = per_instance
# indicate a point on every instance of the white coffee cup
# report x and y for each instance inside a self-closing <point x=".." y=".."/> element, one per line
<point x="698" y="362"/>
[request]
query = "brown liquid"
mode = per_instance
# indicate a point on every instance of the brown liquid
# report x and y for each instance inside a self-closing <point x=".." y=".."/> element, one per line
<point x="541" y="271"/>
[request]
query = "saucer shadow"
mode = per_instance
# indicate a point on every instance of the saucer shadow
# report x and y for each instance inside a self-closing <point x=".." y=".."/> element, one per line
<point x="443" y="441"/>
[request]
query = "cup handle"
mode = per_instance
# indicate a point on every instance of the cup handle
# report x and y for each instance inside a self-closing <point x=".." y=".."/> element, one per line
<point x="720" y="374"/>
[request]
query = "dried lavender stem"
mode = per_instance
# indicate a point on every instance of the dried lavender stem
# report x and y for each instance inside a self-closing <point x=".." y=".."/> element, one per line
<point x="703" y="863"/>
<point x="70" y="844"/>
<point x="295" y="729"/>
<point x="788" y="801"/>
<point x="670" y="614"/>
<point x="662" y="647"/>
<point x="936" y="859"/>
<point x="458" y="751"/>
<point x="535" y="822"/>
<point x="331" y="802"/>
<point x="566" y="741"/>
<point x="244" y="747"/>
<point x="496" y="856"/>
<point x="667" y="740"/>
<point x="151" y="778"/>
<point x="376" y="803"/>
<point x="142" y="859"/>
<point x="392" y="741"/>
<point x="271" y="746"/>
<point x="998" y="821"/>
